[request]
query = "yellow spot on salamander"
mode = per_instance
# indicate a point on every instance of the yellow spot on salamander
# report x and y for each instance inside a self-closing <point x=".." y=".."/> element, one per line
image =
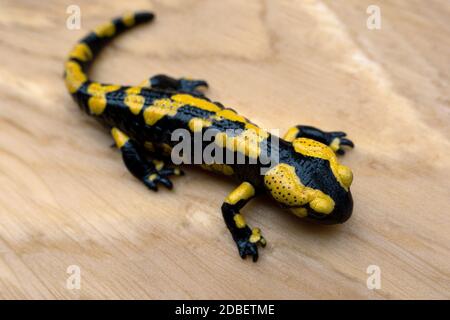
<point x="159" y="109"/>
<point x="105" y="30"/>
<point x="217" y="167"/>
<point x="98" y="89"/>
<point x="243" y="192"/>
<point x="229" y="115"/>
<point x="128" y="20"/>
<point x="239" y="221"/>
<point x="197" y="124"/>
<point x="152" y="177"/>
<point x="119" y="137"/>
<point x="97" y="102"/>
<point x="186" y="99"/>
<point x="75" y="77"/>
<point x="134" y="100"/>
<point x="247" y="142"/>
<point x="286" y="188"/>
<point x="322" y="204"/>
<point x="262" y="134"/>
<point x="256" y="235"/>
<point x="134" y="90"/>
<point x="81" y="52"/>
<point x="158" y="164"/>
<point x="135" y="103"/>
<point x="222" y="141"/>
<point x="335" y="144"/>
<point x="346" y="175"/>
<point x="312" y="148"/>
<point x="291" y="134"/>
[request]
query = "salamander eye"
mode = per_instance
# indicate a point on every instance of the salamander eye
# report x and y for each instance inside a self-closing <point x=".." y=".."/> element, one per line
<point x="346" y="175"/>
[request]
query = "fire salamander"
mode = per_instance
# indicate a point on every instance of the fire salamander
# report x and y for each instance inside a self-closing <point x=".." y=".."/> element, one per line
<point x="306" y="178"/>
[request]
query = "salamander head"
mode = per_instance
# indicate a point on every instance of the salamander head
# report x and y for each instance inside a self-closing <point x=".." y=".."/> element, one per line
<point x="311" y="183"/>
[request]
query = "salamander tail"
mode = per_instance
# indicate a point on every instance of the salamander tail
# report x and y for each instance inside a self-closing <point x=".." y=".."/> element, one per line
<point x="83" y="54"/>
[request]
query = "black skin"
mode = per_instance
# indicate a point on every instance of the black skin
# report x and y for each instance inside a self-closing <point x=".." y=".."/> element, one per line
<point x="313" y="172"/>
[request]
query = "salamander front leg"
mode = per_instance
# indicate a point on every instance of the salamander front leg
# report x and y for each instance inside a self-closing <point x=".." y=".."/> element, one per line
<point x="334" y="139"/>
<point x="246" y="238"/>
<point x="150" y="172"/>
<point x="189" y="86"/>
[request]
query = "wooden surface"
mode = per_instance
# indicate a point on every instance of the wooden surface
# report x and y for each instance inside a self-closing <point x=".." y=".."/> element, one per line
<point x="66" y="198"/>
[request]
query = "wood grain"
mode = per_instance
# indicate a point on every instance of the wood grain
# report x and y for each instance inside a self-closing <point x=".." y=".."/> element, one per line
<point x="66" y="198"/>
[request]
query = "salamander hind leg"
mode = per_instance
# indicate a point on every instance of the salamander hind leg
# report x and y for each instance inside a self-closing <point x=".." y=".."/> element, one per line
<point x="336" y="140"/>
<point x="246" y="238"/>
<point x="150" y="172"/>
<point x="185" y="85"/>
